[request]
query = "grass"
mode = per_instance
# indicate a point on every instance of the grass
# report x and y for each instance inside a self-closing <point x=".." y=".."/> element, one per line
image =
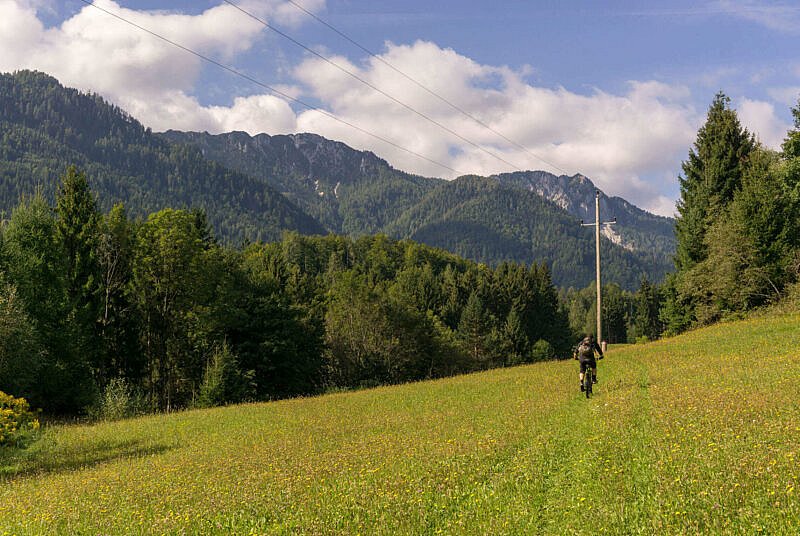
<point x="699" y="434"/>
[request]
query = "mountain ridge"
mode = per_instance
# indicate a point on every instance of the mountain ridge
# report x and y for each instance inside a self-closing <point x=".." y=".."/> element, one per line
<point x="253" y="188"/>
<point x="47" y="127"/>
<point x="352" y="194"/>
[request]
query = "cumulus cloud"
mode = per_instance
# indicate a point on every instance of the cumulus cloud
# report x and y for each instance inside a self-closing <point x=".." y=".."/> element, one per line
<point x="150" y="78"/>
<point x="783" y="17"/>
<point x="759" y="117"/>
<point x="617" y="140"/>
<point x="627" y="143"/>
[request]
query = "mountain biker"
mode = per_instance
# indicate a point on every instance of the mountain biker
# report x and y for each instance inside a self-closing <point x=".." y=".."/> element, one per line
<point x="584" y="353"/>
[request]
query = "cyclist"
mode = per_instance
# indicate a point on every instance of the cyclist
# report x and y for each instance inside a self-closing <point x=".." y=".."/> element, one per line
<point x="584" y="353"/>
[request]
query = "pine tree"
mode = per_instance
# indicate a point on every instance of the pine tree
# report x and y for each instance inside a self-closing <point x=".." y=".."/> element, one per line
<point x="712" y="174"/>
<point x="78" y="231"/>
<point x="473" y="329"/>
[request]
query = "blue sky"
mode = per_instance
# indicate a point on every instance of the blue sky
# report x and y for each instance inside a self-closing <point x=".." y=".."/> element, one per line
<point x="613" y="90"/>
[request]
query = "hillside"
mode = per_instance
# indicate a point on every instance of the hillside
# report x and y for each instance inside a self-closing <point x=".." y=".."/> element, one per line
<point x="486" y="220"/>
<point x="47" y="127"/>
<point x="350" y="192"/>
<point x="528" y="217"/>
<point x="684" y="436"/>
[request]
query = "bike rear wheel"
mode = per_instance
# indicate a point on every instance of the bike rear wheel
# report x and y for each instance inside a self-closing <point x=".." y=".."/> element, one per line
<point x="587" y="383"/>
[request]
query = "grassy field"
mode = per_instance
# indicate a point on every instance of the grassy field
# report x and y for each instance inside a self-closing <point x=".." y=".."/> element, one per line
<point x="697" y="434"/>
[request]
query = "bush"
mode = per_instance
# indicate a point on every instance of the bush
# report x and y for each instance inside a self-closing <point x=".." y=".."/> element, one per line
<point x="644" y="339"/>
<point x="223" y="382"/>
<point x="542" y="351"/>
<point x="18" y="424"/>
<point x="118" y="401"/>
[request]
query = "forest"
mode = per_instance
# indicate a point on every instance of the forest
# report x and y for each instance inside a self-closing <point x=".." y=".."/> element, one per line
<point x="254" y="188"/>
<point x="96" y="307"/>
<point x="103" y="309"/>
<point x="738" y="245"/>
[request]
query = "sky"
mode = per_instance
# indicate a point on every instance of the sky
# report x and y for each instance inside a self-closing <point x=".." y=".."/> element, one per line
<point x="613" y="90"/>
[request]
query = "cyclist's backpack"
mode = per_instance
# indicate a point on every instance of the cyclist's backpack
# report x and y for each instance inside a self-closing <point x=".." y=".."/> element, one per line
<point x="585" y="350"/>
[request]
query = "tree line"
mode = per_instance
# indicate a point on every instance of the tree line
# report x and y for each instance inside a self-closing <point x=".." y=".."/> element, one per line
<point x="93" y="303"/>
<point x="738" y="247"/>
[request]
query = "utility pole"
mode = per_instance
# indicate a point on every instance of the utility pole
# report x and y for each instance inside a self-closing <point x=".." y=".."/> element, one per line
<point x="597" y="223"/>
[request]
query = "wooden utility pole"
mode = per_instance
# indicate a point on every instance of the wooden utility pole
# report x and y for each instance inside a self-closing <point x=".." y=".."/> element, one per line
<point x="597" y="223"/>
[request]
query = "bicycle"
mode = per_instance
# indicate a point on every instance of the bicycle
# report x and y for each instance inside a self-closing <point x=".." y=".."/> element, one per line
<point x="587" y="382"/>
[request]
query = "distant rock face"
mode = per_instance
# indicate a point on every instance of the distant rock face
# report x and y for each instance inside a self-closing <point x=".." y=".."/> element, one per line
<point x="636" y="229"/>
<point x="349" y="191"/>
<point x="355" y="193"/>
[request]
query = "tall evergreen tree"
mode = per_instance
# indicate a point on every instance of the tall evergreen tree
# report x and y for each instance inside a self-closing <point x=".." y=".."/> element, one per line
<point x="791" y="175"/>
<point x="35" y="264"/>
<point x="646" y="321"/>
<point x="712" y="173"/>
<point x="78" y="231"/>
<point x="473" y="329"/>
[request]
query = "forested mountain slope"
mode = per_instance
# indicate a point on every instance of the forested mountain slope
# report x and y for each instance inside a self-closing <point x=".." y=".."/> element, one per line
<point x="483" y="219"/>
<point x="253" y="188"/>
<point x="652" y="237"/>
<point x="350" y="192"/>
<point x="523" y="217"/>
<point x="47" y="127"/>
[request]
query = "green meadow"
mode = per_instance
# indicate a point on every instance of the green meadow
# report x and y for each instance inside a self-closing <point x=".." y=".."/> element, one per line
<point x="694" y="434"/>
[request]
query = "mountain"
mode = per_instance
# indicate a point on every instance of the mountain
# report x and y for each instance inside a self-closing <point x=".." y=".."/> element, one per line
<point x="648" y="237"/>
<point x="636" y="230"/>
<point x="524" y="217"/>
<point x="254" y="187"/>
<point x="350" y="192"/>
<point x="47" y="127"/>
<point x="489" y="221"/>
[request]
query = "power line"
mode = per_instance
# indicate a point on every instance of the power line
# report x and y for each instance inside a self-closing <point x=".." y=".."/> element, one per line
<point x="372" y="86"/>
<point x="270" y="88"/>
<point x="422" y="86"/>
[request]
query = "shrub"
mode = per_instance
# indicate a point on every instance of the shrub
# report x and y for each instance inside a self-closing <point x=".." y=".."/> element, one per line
<point x="223" y="382"/>
<point x="542" y="351"/>
<point x="118" y="401"/>
<point x="18" y="424"/>
<point x="644" y="339"/>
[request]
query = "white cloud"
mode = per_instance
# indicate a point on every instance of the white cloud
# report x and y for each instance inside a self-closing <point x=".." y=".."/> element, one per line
<point x="614" y="139"/>
<point x="20" y="32"/>
<point x="759" y="117"/>
<point x="788" y="96"/>
<point x="150" y="78"/>
<point x="287" y="14"/>
<point x="782" y="17"/>
<point x="620" y="141"/>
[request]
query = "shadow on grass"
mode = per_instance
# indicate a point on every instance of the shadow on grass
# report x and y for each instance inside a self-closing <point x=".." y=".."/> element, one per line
<point x="41" y="459"/>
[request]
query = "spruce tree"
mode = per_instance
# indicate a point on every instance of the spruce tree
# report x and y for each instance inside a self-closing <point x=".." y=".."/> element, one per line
<point x="472" y="329"/>
<point x="712" y="174"/>
<point x="646" y="322"/>
<point x="78" y="231"/>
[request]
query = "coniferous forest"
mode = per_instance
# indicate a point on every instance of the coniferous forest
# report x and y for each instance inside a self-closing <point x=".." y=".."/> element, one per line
<point x="157" y="307"/>
<point x="253" y="189"/>
<point x="738" y="245"/>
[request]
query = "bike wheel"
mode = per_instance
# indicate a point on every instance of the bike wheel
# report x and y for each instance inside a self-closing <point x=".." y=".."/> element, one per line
<point x="587" y="384"/>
